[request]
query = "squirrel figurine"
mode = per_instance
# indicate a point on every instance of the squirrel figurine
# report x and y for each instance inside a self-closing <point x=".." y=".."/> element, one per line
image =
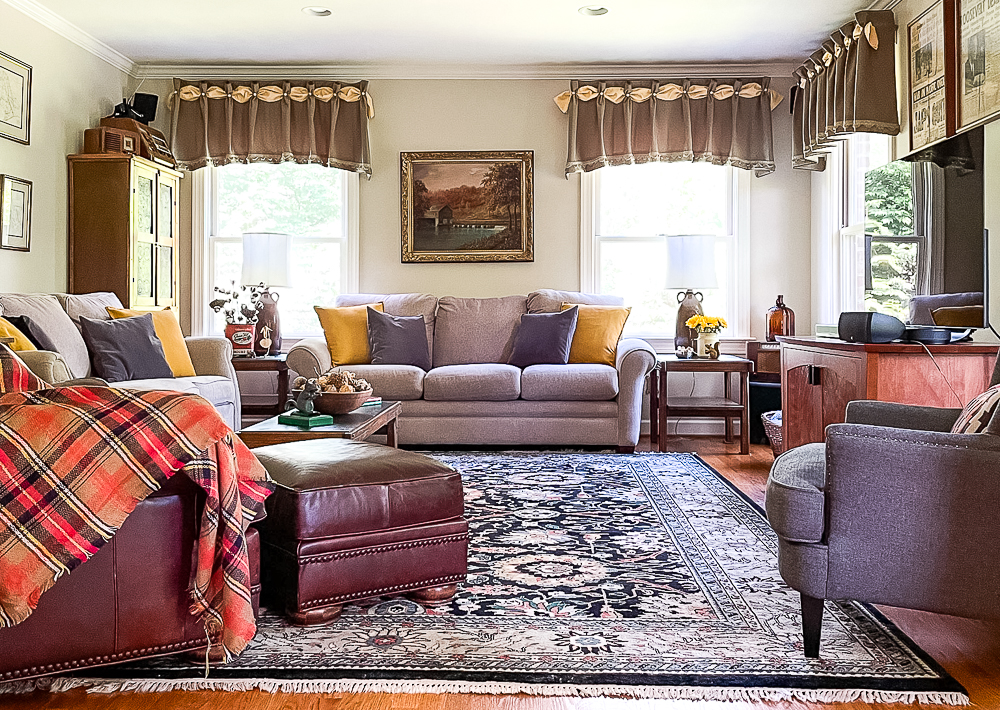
<point x="303" y="402"/>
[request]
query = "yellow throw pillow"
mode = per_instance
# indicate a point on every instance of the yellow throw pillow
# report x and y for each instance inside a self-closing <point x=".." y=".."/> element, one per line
<point x="168" y="330"/>
<point x="598" y="330"/>
<point x="346" y="332"/>
<point x="21" y="342"/>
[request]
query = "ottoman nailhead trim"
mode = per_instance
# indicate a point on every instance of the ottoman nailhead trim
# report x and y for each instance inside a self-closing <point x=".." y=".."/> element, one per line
<point x="172" y="647"/>
<point x="383" y="590"/>
<point x="318" y="559"/>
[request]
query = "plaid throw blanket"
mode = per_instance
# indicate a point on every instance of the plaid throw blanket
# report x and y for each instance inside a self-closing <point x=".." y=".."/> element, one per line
<point x="75" y="461"/>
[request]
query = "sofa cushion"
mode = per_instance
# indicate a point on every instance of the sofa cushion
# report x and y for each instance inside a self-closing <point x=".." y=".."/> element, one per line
<point x="548" y="300"/>
<point x="598" y="330"/>
<point x="22" y="340"/>
<point x="91" y="305"/>
<point x="569" y="382"/>
<point x="399" y="304"/>
<point x="168" y="330"/>
<point x="795" y="498"/>
<point x="125" y="349"/>
<point x="48" y="317"/>
<point x="393" y="382"/>
<point x="397" y="340"/>
<point x="346" y="333"/>
<point x="476" y="382"/>
<point x="476" y="330"/>
<point x="543" y="338"/>
<point x="215" y="388"/>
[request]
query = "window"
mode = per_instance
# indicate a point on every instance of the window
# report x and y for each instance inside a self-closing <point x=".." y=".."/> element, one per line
<point x="314" y="204"/>
<point x="630" y="211"/>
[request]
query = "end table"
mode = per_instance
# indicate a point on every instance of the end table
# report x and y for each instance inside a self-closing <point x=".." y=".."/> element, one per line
<point x="269" y="363"/>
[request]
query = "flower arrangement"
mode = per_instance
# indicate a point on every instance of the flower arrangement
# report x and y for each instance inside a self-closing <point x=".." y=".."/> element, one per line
<point x="239" y="304"/>
<point x="706" y="324"/>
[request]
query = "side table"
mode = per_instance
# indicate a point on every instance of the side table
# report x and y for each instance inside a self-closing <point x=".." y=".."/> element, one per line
<point x="268" y="363"/>
<point x="662" y="406"/>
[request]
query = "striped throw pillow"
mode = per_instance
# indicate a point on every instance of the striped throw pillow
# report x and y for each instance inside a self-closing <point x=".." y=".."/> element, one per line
<point x="977" y="414"/>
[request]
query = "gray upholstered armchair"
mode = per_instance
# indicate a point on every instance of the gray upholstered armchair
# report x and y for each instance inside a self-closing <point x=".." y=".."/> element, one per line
<point x="892" y="510"/>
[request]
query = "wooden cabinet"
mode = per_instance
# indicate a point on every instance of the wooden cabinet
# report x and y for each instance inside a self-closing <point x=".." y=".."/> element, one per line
<point x="820" y="376"/>
<point x="123" y="234"/>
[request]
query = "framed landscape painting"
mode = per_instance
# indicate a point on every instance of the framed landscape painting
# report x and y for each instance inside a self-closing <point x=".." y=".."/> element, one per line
<point x="15" y="99"/>
<point x="467" y="206"/>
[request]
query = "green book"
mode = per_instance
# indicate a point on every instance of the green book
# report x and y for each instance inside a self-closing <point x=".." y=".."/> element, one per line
<point x="305" y="421"/>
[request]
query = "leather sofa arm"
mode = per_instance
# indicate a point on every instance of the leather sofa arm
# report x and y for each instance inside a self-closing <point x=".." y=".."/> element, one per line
<point x="901" y="416"/>
<point x="310" y="357"/>
<point x="634" y="360"/>
<point x="49" y="366"/>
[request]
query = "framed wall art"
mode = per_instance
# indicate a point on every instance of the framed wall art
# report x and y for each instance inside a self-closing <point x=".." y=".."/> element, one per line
<point x="467" y="206"/>
<point x="929" y="64"/>
<point x="15" y="99"/>
<point x="978" y="70"/>
<point x="15" y="213"/>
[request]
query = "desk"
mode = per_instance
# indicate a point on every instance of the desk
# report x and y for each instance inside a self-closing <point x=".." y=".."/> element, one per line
<point x="662" y="406"/>
<point x="265" y="364"/>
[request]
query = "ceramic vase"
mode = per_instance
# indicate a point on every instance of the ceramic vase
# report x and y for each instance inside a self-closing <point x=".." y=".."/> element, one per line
<point x="707" y="345"/>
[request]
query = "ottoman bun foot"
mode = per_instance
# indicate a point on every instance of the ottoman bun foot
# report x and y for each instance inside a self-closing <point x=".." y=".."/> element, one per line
<point x="434" y="595"/>
<point x="321" y="615"/>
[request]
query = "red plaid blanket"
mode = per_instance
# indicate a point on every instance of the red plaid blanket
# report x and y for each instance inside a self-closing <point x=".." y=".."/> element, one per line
<point x="75" y="461"/>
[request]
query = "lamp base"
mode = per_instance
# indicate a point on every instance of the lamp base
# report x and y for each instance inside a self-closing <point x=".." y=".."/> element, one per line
<point x="268" y="340"/>
<point x="690" y="305"/>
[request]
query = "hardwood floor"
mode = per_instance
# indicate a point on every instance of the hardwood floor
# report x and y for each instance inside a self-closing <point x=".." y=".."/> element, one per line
<point x="969" y="650"/>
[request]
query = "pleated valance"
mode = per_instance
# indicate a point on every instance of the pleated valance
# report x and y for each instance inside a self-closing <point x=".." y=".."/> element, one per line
<point x="219" y="122"/>
<point x="846" y="86"/>
<point x="725" y="122"/>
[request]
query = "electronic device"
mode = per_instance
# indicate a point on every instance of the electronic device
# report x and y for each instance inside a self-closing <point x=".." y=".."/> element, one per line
<point x="152" y="144"/>
<point x="110" y="140"/>
<point x="142" y="108"/>
<point x="869" y="327"/>
<point x="935" y="335"/>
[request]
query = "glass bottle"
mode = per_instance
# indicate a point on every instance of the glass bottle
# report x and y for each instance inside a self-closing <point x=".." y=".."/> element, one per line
<point x="780" y="320"/>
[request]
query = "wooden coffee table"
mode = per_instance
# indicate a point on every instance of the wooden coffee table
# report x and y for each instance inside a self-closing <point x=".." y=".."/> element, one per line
<point x="359" y="424"/>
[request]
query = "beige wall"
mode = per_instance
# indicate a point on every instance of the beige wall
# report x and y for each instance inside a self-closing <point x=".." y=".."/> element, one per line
<point x="71" y="90"/>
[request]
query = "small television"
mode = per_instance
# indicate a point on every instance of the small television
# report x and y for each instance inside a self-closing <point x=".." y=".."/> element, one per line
<point x="926" y="249"/>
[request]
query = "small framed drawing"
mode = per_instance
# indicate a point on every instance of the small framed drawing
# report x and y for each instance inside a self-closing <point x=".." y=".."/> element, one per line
<point x="978" y="54"/>
<point x="15" y="99"/>
<point x="928" y="77"/>
<point x="467" y="206"/>
<point x="15" y="213"/>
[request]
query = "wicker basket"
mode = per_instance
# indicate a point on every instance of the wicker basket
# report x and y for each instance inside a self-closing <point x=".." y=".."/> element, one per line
<point x="772" y="427"/>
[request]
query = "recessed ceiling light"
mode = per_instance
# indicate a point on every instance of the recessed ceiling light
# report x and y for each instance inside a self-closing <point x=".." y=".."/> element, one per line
<point x="593" y="10"/>
<point x="317" y="11"/>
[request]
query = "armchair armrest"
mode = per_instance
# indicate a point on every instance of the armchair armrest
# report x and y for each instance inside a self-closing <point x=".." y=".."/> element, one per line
<point x="46" y="364"/>
<point x="901" y="416"/>
<point x="634" y="360"/>
<point x="310" y="357"/>
<point x="214" y="356"/>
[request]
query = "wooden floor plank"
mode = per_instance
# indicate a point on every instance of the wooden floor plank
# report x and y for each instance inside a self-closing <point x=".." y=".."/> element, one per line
<point x="969" y="650"/>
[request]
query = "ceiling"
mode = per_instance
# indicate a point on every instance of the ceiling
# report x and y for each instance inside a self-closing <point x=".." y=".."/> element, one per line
<point x="462" y="34"/>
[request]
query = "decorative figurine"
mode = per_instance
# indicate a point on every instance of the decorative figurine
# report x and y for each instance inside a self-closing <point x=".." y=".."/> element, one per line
<point x="303" y="402"/>
<point x="713" y="350"/>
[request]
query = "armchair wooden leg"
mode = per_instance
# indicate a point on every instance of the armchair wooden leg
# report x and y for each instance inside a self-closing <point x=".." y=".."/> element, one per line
<point x="812" y="624"/>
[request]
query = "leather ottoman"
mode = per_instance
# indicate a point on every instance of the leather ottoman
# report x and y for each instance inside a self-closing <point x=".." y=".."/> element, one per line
<point x="351" y="520"/>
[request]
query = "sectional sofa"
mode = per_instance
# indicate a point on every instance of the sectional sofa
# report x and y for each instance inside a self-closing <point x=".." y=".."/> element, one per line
<point x="471" y="396"/>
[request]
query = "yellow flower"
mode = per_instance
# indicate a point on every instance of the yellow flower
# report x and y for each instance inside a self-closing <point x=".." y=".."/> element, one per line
<point x="706" y="324"/>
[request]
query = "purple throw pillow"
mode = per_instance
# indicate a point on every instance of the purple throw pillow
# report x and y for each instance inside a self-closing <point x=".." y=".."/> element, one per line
<point x="125" y="349"/>
<point x="544" y="338"/>
<point x="398" y="340"/>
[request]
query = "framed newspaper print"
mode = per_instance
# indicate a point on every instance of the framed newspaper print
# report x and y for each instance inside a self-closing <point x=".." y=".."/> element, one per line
<point x="928" y="69"/>
<point x="978" y="69"/>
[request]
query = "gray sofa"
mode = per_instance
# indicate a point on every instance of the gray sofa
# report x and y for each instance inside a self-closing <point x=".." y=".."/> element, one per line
<point x="58" y="316"/>
<point x="472" y="397"/>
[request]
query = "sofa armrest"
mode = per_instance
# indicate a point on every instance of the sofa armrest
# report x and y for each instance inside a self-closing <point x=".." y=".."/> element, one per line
<point x="310" y="357"/>
<point x="634" y="360"/>
<point x="49" y="366"/>
<point x="214" y="356"/>
<point x="901" y="416"/>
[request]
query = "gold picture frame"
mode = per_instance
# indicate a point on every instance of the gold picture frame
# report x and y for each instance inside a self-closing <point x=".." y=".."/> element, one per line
<point x="15" y="99"/>
<point x="472" y="206"/>
<point x="15" y="213"/>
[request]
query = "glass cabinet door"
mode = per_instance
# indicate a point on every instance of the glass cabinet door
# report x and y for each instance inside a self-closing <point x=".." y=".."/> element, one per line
<point x="144" y="219"/>
<point x="166" y="239"/>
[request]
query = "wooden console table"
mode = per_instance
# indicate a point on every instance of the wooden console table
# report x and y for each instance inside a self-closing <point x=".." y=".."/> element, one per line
<point x="819" y="376"/>
<point x="662" y="406"/>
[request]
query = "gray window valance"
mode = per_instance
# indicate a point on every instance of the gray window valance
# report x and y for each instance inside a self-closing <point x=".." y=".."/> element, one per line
<point x="219" y="122"/>
<point x="725" y="122"/>
<point x="846" y="86"/>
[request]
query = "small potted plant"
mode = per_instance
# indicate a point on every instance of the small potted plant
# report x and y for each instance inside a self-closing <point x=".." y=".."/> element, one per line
<point x="708" y="328"/>
<point x="241" y="306"/>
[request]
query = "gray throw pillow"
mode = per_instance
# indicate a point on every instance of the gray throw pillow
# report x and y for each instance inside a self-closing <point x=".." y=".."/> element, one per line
<point x="32" y="332"/>
<point x="544" y="338"/>
<point x="398" y="340"/>
<point x="125" y="348"/>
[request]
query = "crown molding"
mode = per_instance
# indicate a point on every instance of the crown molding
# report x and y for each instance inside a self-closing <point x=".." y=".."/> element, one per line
<point x="357" y="72"/>
<point x="74" y="34"/>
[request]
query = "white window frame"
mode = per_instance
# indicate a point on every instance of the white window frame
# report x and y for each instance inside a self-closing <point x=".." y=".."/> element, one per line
<point x="738" y="228"/>
<point x="204" y="184"/>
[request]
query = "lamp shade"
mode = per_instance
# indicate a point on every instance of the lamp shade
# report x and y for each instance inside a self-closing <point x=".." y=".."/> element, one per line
<point x="691" y="261"/>
<point x="266" y="257"/>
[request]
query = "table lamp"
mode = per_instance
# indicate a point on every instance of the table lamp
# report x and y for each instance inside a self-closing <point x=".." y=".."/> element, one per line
<point x="265" y="263"/>
<point x="690" y="266"/>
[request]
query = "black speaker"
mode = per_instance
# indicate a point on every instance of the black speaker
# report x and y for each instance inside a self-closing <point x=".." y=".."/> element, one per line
<point x="144" y="106"/>
<point x="869" y="327"/>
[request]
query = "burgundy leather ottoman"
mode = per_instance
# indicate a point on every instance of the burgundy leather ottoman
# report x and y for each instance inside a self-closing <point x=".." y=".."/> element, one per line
<point x="351" y="520"/>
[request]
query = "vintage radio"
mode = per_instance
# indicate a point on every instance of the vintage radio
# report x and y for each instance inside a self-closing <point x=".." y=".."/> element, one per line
<point x="152" y="143"/>
<point x="110" y="140"/>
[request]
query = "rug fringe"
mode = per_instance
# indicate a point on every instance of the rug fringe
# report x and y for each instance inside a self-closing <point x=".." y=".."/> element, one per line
<point x="487" y="688"/>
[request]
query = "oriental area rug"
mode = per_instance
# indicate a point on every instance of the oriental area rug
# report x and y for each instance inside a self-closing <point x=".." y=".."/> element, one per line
<point x="644" y="575"/>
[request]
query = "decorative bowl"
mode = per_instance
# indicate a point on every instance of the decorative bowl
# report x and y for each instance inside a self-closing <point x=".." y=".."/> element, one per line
<point x="338" y="402"/>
